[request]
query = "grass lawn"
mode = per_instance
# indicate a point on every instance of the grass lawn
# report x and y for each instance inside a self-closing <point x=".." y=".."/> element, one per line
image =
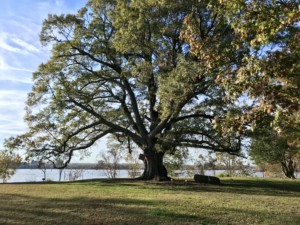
<point x="236" y="201"/>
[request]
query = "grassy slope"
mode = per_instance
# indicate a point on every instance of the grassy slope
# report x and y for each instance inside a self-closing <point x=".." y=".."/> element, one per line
<point x="238" y="201"/>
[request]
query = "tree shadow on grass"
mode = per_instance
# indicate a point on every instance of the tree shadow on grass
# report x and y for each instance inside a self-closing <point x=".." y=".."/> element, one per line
<point x="260" y="186"/>
<point x="240" y="186"/>
<point x="274" y="185"/>
<point x="252" y="186"/>
<point x="28" y="209"/>
<point x="25" y="209"/>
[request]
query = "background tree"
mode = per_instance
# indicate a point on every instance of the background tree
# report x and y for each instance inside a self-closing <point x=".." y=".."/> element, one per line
<point x="175" y="161"/>
<point x="261" y="167"/>
<point x="124" y="68"/>
<point x="268" y="146"/>
<point x="9" y="162"/>
<point x="206" y="162"/>
<point x="73" y="174"/>
<point x="111" y="159"/>
<point x="228" y="162"/>
<point x="59" y="164"/>
<point x="43" y="166"/>
<point x="211" y="163"/>
<point x="274" y="170"/>
<point x="200" y="164"/>
<point x="134" y="166"/>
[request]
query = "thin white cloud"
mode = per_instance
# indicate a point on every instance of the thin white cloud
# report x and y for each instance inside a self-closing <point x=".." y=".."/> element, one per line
<point x="8" y="97"/>
<point x="9" y="75"/>
<point x="5" y="46"/>
<point x="12" y="73"/>
<point x="17" y="69"/>
<point x="12" y="112"/>
<point x="3" y="64"/>
<point x="11" y="43"/>
<point x="4" y="67"/>
<point x="27" y="46"/>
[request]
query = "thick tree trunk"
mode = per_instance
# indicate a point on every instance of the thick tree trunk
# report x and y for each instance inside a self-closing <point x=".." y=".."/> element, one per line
<point x="288" y="168"/>
<point x="154" y="168"/>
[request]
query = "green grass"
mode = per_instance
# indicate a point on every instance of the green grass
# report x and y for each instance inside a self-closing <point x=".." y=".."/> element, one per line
<point x="237" y="201"/>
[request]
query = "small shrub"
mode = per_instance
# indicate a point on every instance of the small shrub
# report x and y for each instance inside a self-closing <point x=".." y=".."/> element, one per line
<point x="223" y="175"/>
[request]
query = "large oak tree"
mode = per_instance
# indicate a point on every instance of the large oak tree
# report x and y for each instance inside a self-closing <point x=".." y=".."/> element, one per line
<point x="125" y="68"/>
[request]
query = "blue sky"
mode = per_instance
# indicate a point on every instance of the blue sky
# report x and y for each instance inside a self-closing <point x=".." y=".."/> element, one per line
<point x="21" y="54"/>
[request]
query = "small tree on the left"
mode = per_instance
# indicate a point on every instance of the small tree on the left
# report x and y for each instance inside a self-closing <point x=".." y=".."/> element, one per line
<point x="9" y="162"/>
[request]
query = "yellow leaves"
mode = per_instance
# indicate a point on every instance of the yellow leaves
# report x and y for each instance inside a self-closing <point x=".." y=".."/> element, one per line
<point x="294" y="143"/>
<point x="269" y="109"/>
<point x="42" y="88"/>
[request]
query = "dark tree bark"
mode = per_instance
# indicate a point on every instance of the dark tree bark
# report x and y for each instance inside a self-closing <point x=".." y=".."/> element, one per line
<point x="288" y="168"/>
<point x="154" y="168"/>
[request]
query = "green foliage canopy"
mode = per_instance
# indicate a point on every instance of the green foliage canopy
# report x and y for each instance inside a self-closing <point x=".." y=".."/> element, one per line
<point x="125" y="68"/>
<point x="269" y="76"/>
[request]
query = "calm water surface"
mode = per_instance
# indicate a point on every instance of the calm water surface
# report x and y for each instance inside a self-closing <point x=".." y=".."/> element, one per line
<point x="36" y="175"/>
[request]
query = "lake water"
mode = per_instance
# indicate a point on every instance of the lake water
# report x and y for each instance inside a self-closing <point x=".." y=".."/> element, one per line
<point x="36" y="175"/>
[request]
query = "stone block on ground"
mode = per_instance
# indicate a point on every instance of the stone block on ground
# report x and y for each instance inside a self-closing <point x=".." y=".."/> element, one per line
<point x="206" y="179"/>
